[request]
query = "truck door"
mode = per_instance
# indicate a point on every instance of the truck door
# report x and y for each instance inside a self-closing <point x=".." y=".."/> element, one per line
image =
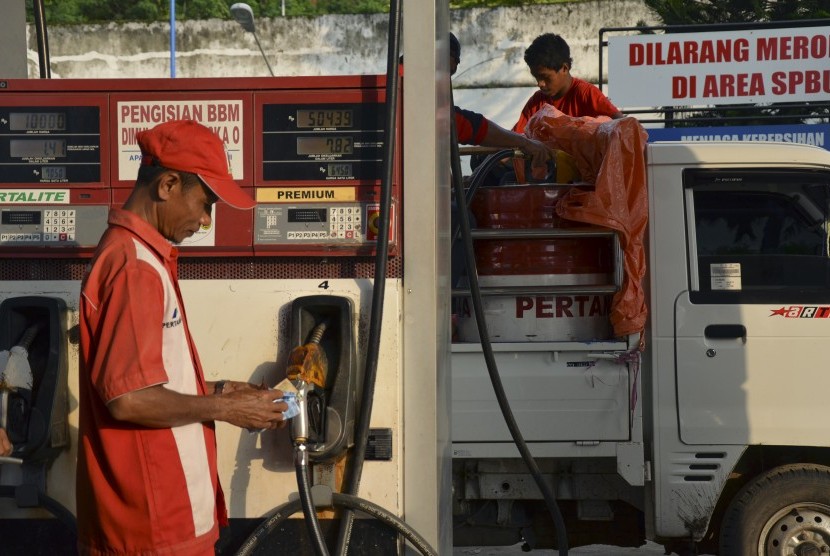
<point x="752" y="331"/>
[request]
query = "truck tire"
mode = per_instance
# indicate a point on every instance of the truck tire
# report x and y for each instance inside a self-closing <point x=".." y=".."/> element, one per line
<point x="783" y="511"/>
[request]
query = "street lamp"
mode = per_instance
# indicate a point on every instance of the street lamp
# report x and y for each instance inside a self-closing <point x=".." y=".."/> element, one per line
<point x="244" y="15"/>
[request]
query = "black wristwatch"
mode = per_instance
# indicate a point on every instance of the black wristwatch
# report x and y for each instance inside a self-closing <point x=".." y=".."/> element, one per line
<point x="219" y="387"/>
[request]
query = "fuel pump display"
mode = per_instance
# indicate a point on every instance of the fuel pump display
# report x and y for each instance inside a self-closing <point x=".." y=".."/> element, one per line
<point x="309" y="150"/>
<point x="324" y="160"/>
<point x="50" y="145"/>
<point x="53" y="176"/>
<point x="322" y="142"/>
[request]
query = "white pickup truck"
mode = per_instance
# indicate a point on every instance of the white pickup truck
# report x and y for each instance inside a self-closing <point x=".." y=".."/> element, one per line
<point x="714" y="437"/>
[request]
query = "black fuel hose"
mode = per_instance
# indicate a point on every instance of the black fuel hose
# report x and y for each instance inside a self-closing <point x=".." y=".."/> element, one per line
<point x="49" y="504"/>
<point x="307" y="503"/>
<point x="42" y="40"/>
<point x="487" y="348"/>
<point x="354" y="466"/>
<point x="342" y="501"/>
<point x="476" y="180"/>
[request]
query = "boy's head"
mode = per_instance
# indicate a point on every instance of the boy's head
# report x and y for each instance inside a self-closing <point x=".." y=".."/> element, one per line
<point x="549" y="60"/>
<point x="548" y="51"/>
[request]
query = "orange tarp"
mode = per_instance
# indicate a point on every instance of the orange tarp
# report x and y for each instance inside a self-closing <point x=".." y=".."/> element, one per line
<point x="611" y="155"/>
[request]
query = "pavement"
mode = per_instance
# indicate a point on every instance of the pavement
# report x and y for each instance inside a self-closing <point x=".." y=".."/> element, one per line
<point x="650" y="549"/>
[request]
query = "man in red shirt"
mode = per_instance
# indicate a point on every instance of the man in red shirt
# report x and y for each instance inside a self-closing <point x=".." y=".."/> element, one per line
<point x="549" y="60"/>
<point x="473" y="128"/>
<point x="147" y="479"/>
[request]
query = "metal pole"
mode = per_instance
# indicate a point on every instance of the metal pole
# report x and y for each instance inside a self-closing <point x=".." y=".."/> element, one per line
<point x="172" y="38"/>
<point x="244" y="15"/>
<point x="42" y="41"/>
<point x="264" y="57"/>
<point x="283" y="8"/>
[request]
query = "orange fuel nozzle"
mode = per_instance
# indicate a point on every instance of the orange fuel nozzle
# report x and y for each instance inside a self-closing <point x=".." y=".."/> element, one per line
<point x="308" y="362"/>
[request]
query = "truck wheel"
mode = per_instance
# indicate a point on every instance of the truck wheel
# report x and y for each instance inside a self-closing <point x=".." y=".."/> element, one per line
<point x="785" y="511"/>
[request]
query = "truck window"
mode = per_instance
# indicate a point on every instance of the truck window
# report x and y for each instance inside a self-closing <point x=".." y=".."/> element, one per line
<point x="758" y="236"/>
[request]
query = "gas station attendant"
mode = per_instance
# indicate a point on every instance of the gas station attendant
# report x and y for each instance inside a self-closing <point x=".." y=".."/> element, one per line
<point x="147" y="478"/>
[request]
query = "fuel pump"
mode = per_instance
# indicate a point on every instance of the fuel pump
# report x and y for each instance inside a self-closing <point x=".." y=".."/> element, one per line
<point x="324" y="426"/>
<point x="323" y="374"/>
<point x="308" y="367"/>
<point x="323" y="368"/>
<point x="36" y="417"/>
<point x="34" y="408"/>
<point x="317" y="153"/>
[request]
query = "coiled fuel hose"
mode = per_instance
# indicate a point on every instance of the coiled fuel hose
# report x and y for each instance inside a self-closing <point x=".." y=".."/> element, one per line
<point x="307" y="369"/>
<point x="462" y="202"/>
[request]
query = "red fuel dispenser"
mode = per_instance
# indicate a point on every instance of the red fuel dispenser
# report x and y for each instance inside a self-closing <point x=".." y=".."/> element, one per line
<point x="309" y="150"/>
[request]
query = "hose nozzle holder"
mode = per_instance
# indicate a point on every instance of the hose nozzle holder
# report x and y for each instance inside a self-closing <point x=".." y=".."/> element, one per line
<point x="299" y="427"/>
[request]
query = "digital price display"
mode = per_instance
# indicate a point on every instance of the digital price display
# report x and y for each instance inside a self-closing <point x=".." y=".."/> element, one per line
<point x="53" y="173"/>
<point x="325" y="145"/>
<point x="20" y="217"/>
<point x="340" y="170"/>
<point x="49" y="144"/>
<point x="325" y="118"/>
<point x="37" y="121"/>
<point x="307" y="215"/>
<point x="322" y="142"/>
<point x="37" y="148"/>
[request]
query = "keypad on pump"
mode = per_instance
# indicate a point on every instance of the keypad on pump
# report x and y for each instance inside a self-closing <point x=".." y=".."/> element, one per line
<point x="59" y="225"/>
<point x="345" y="222"/>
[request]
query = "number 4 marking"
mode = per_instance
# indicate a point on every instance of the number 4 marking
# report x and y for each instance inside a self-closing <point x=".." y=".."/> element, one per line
<point x="324" y="284"/>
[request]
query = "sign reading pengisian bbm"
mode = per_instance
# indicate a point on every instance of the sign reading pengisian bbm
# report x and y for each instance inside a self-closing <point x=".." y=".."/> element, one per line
<point x="223" y="117"/>
<point x="723" y="67"/>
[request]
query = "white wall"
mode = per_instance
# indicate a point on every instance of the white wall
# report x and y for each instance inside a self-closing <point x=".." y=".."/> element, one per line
<point x="492" y="78"/>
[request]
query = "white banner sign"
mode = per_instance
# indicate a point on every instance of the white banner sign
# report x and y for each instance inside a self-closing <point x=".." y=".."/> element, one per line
<point x="223" y="117"/>
<point x="724" y="67"/>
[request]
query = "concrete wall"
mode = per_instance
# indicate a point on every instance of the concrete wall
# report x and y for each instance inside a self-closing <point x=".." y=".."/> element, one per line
<point x="493" y="42"/>
<point x="492" y="78"/>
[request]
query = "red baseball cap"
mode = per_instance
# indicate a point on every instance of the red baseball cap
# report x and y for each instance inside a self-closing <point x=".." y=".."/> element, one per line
<point x="189" y="146"/>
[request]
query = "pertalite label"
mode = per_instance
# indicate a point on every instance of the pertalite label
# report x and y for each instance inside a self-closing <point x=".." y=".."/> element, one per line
<point x="34" y="196"/>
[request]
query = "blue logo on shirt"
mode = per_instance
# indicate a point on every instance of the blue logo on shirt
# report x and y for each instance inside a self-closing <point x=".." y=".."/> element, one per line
<point x="174" y="321"/>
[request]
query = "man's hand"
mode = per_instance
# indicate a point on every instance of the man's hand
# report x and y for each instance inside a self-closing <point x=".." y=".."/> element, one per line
<point x="242" y="405"/>
<point x="254" y="408"/>
<point x="539" y="154"/>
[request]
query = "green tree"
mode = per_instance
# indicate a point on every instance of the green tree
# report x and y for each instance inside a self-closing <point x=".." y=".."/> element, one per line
<point x="683" y="12"/>
<point x="63" y="12"/>
<point x="312" y="8"/>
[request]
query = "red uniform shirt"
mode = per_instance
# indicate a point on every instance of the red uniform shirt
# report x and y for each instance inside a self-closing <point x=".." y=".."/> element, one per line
<point x="471" y="127"/>
<point x="139" y="489"/>
<point x="581" y="99"/>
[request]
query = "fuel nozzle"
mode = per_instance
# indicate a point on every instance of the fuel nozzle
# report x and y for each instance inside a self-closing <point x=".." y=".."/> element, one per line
<point x="307" y="371"/>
